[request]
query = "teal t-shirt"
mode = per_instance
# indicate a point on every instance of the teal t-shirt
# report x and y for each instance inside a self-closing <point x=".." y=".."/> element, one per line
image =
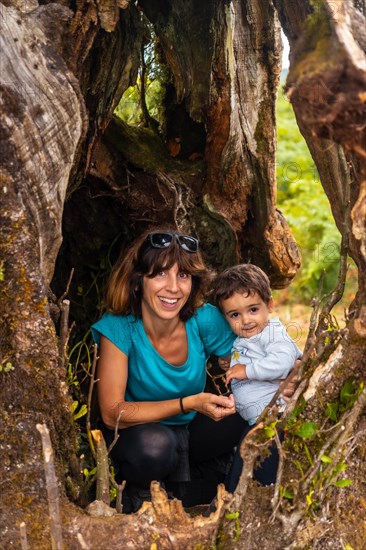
<point x="150" y="376"/>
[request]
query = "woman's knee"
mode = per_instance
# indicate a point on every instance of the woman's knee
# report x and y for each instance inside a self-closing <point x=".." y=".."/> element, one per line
<point x="156" y="443"/>
<point x="147" y="451"/>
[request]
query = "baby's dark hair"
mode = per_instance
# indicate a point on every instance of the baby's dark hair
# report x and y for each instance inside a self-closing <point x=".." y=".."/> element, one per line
<point x="244" y="279"/>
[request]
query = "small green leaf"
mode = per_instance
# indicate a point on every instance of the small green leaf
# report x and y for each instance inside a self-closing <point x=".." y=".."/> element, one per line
<point x="309" y="498"/>
<point x="299" y="407"/>
<point x="307" y="430"/>
<point x="308" y="455"/>
<point x="232" y="515"/>
<point x="343" y="483"/>
<point x="269" y="431"/>
<point x="74" y="406"/>
<point x="331" y="411"/>
<point x="287" y="494"/>
<point x="348" y="389"/>
<point x="83" y="410"/>
<point x="299" y="467"/>
<point x="341" y="467"/>
<point x="350" y="392"/>
<point x="326" y="459"/>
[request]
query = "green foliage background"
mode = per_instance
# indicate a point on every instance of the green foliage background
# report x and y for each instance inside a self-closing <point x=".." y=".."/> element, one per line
<point x="301" y="199"/>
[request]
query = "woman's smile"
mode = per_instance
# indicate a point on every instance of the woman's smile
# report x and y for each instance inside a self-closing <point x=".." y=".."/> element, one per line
<point x="169" y="302"/>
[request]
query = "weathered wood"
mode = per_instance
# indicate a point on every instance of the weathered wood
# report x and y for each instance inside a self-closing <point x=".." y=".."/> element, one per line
<point x="326" y="85"/>
<point x="43" y="119"/>
<point x="52" y="489"/>
<point x="241" y="63"/>
<point x="102" y="467"/>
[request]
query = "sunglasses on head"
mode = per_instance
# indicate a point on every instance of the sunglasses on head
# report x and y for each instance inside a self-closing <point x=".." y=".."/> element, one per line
<point x="163" y="240"/>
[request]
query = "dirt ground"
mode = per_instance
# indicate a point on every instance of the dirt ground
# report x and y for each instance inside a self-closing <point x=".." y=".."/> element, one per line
<point x="296" y="316"/>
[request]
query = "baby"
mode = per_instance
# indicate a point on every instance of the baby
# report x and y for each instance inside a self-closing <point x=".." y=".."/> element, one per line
<point x="263" y="353"/>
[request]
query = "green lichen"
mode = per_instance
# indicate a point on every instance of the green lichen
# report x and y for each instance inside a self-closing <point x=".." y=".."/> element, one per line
<point x="318" y="50"/>
<point x="145" y="149"/>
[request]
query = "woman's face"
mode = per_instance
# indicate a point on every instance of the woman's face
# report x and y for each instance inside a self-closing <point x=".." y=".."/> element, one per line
<point x="164" y="295"/>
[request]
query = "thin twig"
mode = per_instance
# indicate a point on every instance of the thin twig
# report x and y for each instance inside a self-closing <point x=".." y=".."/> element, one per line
<point x="311" y="338"/>
<point x="63" y="296"/>
<point x="64" y="331"/>
<point x="116" y="434"/>
<point x="52" y="490"/>
<point x="119" y="488"/>
<point x="83" y="544"/>
<point x="275" y="502"/>
<point x="333" y="297"/>
<point x="215" y="377"/>
<point x="89" y="402"/>
<point x="64" y="307"/>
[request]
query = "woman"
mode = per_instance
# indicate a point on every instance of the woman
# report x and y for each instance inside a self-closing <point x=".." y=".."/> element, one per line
<point x="154" y="341"/>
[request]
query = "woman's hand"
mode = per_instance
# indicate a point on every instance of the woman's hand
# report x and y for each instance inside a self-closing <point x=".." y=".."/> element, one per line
<point x="289" y="384"/>
<point x="214" y="406"/>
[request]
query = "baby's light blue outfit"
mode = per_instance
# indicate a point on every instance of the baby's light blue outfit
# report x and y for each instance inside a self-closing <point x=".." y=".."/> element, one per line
<point x="268" y="356"/>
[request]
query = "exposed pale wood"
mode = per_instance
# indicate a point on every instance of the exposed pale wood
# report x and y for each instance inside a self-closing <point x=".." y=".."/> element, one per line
<point x="52" y="490"/>
<point x="102" y="467"/>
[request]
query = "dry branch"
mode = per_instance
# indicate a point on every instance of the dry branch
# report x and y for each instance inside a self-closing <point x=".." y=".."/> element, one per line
<point x="249" y="453"/>
<point x="82" y="542"/>
<point x="64" y="308"/>
<point x="89" y="402"/>
<point x="52" y="489"/>
<point x="64" y="331"/>
<point x="23" y="536"/>
<point x="102" y="467"/>
<point x="119" y="488"/>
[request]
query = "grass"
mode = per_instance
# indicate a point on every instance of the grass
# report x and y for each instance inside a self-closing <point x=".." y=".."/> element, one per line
<point x="302" y="200"/>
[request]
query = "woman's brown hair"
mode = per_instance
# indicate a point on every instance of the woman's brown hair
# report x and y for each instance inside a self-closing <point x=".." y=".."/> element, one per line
<point x="124" y="288"/>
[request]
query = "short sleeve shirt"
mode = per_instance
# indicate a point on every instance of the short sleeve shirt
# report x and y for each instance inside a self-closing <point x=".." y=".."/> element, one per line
<point x="150" y="376"/>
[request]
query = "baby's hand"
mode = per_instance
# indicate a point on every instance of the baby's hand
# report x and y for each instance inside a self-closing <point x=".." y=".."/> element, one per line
<point x="236" y="371"/>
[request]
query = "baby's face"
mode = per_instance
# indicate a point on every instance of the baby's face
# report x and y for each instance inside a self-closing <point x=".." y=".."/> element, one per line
<point x="247" y="314"/>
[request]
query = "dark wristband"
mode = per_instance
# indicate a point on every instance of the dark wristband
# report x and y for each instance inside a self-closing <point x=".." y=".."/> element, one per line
<point x="181" y="405"/>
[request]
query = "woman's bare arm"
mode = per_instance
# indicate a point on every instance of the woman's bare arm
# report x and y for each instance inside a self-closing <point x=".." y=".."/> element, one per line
<point x="112" y="376"/>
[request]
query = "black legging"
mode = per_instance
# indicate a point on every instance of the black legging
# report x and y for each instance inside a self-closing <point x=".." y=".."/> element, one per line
<point x="265" y="473"/>
<point x="149" y="452"/>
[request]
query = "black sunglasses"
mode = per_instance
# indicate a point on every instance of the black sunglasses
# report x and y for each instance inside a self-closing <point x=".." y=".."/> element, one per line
<point x="163" y="240"/>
